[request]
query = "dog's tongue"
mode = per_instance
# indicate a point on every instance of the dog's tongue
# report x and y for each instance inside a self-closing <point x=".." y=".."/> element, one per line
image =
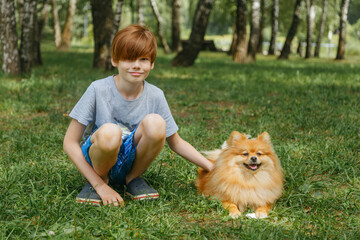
<point x="253" y="166"/>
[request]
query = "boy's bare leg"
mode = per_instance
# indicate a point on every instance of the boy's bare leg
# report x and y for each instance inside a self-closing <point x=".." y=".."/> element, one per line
<point x="150" y="139"/>
<point x="106" y="142"/>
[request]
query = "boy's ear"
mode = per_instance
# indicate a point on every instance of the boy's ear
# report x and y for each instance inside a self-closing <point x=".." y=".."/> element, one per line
<point x="152" y="66"/>
<point x="113" y="63"/>
<point x="235" y="136"/>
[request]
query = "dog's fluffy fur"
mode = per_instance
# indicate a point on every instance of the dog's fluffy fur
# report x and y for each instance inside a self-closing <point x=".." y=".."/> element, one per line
<point x="246" y="172"/>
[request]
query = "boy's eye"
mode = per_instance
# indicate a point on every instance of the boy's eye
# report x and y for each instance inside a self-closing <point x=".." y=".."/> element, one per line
<point x="144" y="59"/>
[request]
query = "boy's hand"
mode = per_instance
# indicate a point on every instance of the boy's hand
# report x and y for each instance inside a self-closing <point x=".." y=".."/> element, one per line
<point x="109" y="195"/>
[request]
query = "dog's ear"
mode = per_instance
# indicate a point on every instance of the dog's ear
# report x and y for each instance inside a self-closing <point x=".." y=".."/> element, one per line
<point x="235" y="136"/>
<point x="265" y="137"/>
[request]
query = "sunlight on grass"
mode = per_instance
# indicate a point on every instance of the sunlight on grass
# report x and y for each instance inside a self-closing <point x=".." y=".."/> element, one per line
<point x="309" y="107"/>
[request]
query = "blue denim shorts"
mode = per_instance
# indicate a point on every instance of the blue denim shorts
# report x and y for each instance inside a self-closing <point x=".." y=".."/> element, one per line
<point x="124" y="161"/>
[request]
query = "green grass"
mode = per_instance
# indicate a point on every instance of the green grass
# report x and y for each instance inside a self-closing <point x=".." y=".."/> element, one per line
<point x="310" y="108"/>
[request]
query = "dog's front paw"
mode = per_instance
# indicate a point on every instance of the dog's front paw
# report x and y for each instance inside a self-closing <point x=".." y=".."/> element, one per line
<point x="235" y="214"/>
<point x="256" y="215"/>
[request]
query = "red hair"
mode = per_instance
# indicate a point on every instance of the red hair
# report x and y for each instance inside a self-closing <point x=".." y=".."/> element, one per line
<point x="133" y="42"/>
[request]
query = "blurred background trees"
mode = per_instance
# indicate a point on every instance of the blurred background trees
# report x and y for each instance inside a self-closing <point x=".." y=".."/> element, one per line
<point x="323" y="28"/>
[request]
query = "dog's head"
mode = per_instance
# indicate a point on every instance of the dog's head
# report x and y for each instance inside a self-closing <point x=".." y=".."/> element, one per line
<point x="252" y="155"/>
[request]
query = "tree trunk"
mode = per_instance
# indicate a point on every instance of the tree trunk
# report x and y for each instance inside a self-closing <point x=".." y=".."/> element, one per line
<point x="140" y="13"/>
<point x="240" y="51"/>
<point x="159" y="25"/>
<point x="57" y="28"/>
<point x="254" y="29"/>
<point x="66" y="34"/>
<point x="292" y="32"/>
<point x="117" y="16"/>
<point x="274" y="26"/>
<point x="41" y="23"/>
<point x="116" y="24"/>
<point x="310" y="19"/>
<point x="103" y="21"/>
<point x="262" y="25"/>
<point x="322" y="27"/>
<point x="27" y="36"/>
<point x="9" y="38"/>
<point x="342" y="33"/>
<point x="299" y="48"/>
<point x="175" y="26"/>
<point x="188" y="55"/>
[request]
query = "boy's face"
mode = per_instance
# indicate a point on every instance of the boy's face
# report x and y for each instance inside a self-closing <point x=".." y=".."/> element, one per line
<point x="134" y="71"/>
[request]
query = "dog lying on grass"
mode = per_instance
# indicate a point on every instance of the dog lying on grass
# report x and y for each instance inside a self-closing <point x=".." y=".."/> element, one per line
<point x="246" y="173"/>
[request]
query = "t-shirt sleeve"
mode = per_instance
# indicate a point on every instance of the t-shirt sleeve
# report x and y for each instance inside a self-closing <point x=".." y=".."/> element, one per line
<point x="84" y="110"/>
<point x="164" y="111"/>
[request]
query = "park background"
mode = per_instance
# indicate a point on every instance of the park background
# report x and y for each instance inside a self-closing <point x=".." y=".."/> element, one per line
<point x="310" y="107"/>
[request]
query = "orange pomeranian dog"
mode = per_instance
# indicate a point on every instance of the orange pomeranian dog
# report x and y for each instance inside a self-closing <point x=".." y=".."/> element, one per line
<point x="246" y="172"/>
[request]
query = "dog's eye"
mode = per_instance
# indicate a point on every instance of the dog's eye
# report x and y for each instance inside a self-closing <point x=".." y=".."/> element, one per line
<point x="245" y="154"/>
<point x="259" y="154"/>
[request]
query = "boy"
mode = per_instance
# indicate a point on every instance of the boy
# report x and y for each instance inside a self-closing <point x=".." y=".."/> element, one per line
<point x="125" y="122"/>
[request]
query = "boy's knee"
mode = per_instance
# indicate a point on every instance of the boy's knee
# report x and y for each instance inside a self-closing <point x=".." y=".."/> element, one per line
<point x="154" y="126"/>
<point x="108" y="137"/>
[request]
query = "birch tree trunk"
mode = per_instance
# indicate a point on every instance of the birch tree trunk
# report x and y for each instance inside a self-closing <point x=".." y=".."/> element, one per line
<point x="310" y="19"/>
<point x="40" y="24"/>
<point x="27" y="36"/>
<point x="175" y="26"/>
<point x="322" y="27"/>
<point x="57" y="28"/>
<point x="159" y="26"/>
<point x="274" y="26"/>
<point x="140" y="13"/>
<point x="116" y="24"/>
<point x="259" y="48"/>
<point x="342" y="34"/>
<point x="103" y="21"/>
<point x="240" y="49"/>
<point x="254" y="30"/>
<point x="188" y="55"/>
<point x="67" y="31"/>
<point x="292" y="31"/>
<point x="9" y="38"/>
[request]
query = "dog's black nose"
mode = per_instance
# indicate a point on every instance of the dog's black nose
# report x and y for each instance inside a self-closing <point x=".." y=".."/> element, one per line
<point x="253" y="159"/>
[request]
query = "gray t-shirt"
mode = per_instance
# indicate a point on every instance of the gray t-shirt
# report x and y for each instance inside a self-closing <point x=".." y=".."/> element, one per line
<point x="102" y="103"/>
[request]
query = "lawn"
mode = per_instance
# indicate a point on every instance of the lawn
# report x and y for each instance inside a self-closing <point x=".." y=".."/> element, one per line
<point x="311" y="108"/>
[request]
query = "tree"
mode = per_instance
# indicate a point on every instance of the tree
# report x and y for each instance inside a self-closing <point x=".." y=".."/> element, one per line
<point x="140" y="13"/>
<point x="103" y="22"/>
<point x="322" y="26"/>
<point x="254" y="29"/>
<point x="9" y="38"/>
<point x="57" y="28"/>
<point x="188" y="55"/>
<point x="40" y="26"/>
<point x="259" y="48"/>
<point x="292" y="31"/>
<point x="27" y="37"/>
<point x="240" y="51"/>
<point x="310" y="20"/>
<point x="67" y="31"/>
<point x="159" y="26"/>
<point x="175" y="26"/>
<point x="274" y="26"/>
<point x="342" y="29"/>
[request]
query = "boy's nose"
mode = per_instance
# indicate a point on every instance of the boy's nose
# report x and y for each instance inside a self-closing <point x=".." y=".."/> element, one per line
<point x="136" y="64"/>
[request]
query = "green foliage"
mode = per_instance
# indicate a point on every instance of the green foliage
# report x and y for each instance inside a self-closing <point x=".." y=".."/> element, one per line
<point x="310" y="108"/>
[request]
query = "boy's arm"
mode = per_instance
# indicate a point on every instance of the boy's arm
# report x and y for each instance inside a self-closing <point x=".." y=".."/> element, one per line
<point x="73" y="150"/>
<point x="187" y="151"/>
